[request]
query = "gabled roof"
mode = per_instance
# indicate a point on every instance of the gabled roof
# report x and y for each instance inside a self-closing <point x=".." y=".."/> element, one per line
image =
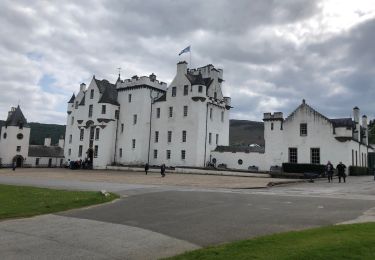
<point x="82" y="103"/>
<point x="304" y="105"/>
<point x="108" y="91"/>
<point x="239" y="149"/>
<point x="71" y="100"/>
<point x="15" y="118"/>
<point x="45" y="151"/>
<point x="195" y="79"/>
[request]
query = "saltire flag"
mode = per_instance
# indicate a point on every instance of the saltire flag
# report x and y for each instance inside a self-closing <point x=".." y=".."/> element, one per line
<point x="187" y="49"/>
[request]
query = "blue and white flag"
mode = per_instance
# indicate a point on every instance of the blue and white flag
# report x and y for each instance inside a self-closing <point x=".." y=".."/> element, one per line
<point x="187" y="49"/>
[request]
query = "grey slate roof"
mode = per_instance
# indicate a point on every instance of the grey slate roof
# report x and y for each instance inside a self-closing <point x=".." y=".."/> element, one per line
<point x="71" y="100"/>
<point x="16" y="118"/>
<point x="162" y="98"/>
<point x="108" y="91"/>
<point x="342" y="122"/>
<point x="82" y="103"/>
<point x="195" y="79"/>
<point x="45" y="151"/>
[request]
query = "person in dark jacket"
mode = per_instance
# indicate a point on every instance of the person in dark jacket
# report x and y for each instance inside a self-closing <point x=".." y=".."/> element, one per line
<point x="147" y="167"/>
<point x="329" y="170"/>
<point x="162" y="170"/>
<point x="341" y="171"/>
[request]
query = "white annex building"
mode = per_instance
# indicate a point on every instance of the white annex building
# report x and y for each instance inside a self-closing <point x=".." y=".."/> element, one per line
<point x="305" y="136"/>
<point x="141" y="120"/>
<point x="15" y="147"/>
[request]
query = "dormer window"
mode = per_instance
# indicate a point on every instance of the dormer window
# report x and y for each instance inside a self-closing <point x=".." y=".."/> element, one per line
<point x="200" y="89"/>
<point x="91" y="94"/>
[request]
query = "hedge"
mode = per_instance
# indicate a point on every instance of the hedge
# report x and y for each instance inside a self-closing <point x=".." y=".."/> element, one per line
<point x="304" y="168"/>
<point x="358" y="171"/>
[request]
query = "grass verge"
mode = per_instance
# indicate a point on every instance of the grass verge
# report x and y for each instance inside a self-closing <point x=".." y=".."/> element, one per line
<point x="356" y="241"/>
<point x="20" y="201"/>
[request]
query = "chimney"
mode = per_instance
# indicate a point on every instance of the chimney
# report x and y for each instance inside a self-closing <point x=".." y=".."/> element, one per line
<point x="47" y="141"/>
<point x="152" y="77"/>
<point x="365" y="130"/>
<point x="181" y="67"/>
<point x="61" y="142"/>
<point x="357" y="131"/>
<point x="82" y="87"/>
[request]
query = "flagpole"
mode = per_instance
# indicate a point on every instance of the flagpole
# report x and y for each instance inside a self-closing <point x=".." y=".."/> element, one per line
<point x="191" y="66"/>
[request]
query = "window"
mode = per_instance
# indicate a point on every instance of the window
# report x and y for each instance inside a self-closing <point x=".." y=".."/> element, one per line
<point x="168" y="154"/>
<point x="103" y="109"/>
<point x="134" y="119"/>
<point x="200" y="89"/>
<point x="72" y="121"/>
<point x="240" y="162"/>
<point x="80" y="151"/>
<point x="133" y="143"/>
<point x="81" y="134"/>
<point x="183" y="136"/>
<point x="37" y="161"/>
<point x="174" y="91"/>
<point x="209" y="138"/>
<point x="183" y="154"/>
<point x="70" y="138"/>
<point x="18" y="148"/>
<point x="20" y="126"/>
<point x="293" y="155"/>
<point x="315" y="155"/>
<point x="91" y="94"/>
<point x="155" y="154"/>
<point x="97" y="133"/>
<point x="186" y="90"/>
<point x="303" y="129"/>
<point x="92" y="129"/>
<point x="215" y="95"/>
<point x="158" y="112"/>
<point x="210" y="113"/>
<point x="156" y="136"/>
<point x="69" y="151"/>
<point x="217" y="139"/>
<point x="185" y="110"/>
<point x="90" y="110"/>
<point x="169" y="136"/>
<point x="19" y="136"/>
<point x="96" y="150"/>
<point x="61" y="162"/>
<point x="170" y="111"/>
<point x="76" y="105"/>
<point x="222" y="116"/>
<point x="117" y="114"/>
<point x="120" y="152"/>
<point x="271" y="126"/>
<point x="130" y="98"/>
<point x="122" y="128"/>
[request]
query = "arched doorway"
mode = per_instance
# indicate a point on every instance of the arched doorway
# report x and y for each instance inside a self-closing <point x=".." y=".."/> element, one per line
<point x="18" y="159"/>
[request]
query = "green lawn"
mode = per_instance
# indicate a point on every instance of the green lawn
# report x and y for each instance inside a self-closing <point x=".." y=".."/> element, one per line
<point x="355" y="241"/>
<point x="19" y="201"/>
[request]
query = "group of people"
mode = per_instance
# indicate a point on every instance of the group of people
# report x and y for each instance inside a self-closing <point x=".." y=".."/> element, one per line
<point x="79" y="164"/>
<point x="162" y="169"/>
<point x="340" y="171"/>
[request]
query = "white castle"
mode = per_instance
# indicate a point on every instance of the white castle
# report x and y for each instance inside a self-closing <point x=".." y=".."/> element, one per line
<point x="141" y="120"/>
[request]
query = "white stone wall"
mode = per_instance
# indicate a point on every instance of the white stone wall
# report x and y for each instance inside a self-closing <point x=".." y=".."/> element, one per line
<point x="231" y="159"/>
<point x="8" y="145"/>
<point x="44" y="162"/>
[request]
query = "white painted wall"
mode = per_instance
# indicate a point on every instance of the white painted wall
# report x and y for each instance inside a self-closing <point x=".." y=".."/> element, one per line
<point x="8" y="145"/>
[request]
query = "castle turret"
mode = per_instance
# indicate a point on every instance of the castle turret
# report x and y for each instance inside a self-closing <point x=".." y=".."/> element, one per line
<point x="357" y="130"/>
<point x="365" y="130"/>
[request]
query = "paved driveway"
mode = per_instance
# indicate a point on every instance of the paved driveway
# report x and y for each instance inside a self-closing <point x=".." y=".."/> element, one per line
<point x="153" y="220"/>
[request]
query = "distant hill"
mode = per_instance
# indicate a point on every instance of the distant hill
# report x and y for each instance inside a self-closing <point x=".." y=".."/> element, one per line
<point x="40" y="131"/>
<point x="244" y="132"/>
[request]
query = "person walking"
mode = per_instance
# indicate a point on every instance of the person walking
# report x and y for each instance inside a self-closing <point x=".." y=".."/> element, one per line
<point x="162" y="170"/>
<point x="329" y="170"/>
<point x="147" y="167"/>
<point x="341" y="171"/>
<point x="14" y="165"/>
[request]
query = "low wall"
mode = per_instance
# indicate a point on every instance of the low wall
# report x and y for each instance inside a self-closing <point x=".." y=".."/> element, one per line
<point x="232" y="160"/>
<point x="192" y="171"/>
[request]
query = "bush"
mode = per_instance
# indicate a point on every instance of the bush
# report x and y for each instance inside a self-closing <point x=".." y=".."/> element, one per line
<point x="303" y="167"/>
<point x="358" y="171"/>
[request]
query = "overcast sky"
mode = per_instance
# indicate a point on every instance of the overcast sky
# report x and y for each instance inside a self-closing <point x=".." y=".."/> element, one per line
<point x="273" y="53"/>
